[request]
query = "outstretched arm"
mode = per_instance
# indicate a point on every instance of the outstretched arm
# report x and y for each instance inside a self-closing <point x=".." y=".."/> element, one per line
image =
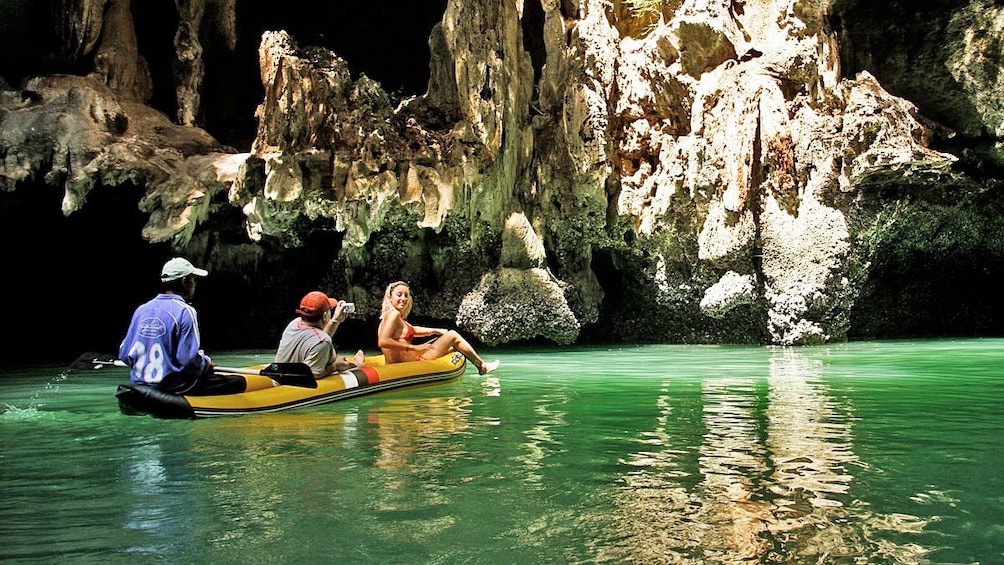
<point x="425" y="332"/>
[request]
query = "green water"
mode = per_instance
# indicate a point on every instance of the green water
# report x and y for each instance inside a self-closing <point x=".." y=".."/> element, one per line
<point x="876" y="452"/>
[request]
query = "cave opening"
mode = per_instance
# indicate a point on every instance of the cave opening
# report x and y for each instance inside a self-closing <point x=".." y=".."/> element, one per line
<point x="386" y="41"/>
<point x="533" y="38"/>
<point x="73" y="281"/>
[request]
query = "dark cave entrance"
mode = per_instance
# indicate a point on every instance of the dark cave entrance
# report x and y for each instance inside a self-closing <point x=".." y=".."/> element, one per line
<point x="386" y="41"/>
<point x="72" y="282"/>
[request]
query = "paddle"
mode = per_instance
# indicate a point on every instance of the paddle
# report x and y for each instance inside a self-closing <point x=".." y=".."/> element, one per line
<point x="291" y="374"/>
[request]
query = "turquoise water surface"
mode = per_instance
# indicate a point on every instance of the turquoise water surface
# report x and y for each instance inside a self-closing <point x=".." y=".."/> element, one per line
<point x="870" y="452"/>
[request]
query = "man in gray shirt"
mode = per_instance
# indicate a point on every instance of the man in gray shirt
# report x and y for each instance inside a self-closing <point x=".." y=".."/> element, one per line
<point x="307" y="339"/>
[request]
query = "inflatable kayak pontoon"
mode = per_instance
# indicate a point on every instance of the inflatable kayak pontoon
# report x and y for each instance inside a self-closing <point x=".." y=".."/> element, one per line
<point x="263" y="394"/>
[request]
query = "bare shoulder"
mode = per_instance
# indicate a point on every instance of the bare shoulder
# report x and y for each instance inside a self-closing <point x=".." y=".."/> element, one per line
<point x="391" y="321"/>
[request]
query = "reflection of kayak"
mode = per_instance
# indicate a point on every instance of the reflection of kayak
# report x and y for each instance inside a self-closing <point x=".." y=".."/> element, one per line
<point x="262" y="394"/>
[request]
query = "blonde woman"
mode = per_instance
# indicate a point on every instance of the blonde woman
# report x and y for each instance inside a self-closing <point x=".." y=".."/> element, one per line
<point x="395" y="334"/>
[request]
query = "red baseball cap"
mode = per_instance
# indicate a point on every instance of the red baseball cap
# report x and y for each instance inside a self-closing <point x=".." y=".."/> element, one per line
<point x="315" y="303"/>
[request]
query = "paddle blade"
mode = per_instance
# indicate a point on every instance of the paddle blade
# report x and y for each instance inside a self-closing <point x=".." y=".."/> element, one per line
<point x="92" y="360"/>
<point x="292" y="374"/>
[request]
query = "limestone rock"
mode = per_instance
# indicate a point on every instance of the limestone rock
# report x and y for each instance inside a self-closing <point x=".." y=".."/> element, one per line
<point x="522" y="248"/>
<point x="518" y="304"/>
<point x="730" y="291"/>
<point x="704" y="171"/>
<point x="76" y="133"/>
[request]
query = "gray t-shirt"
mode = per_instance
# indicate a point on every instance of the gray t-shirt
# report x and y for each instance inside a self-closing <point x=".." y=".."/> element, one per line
<point x="303" y="343"/>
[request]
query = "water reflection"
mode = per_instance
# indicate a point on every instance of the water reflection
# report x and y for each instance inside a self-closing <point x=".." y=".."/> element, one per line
<point x="149" y="489"/>
<point x="774" y="470"/>
<point x="413" y="445"/>
<point x="733" y="461"/>
<point x="272" y="476"/>
<point x="408" y="431"/>
<point x="539" y="441"/>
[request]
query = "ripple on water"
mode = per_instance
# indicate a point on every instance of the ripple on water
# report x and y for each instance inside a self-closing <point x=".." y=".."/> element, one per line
<point x="17" y="414"/>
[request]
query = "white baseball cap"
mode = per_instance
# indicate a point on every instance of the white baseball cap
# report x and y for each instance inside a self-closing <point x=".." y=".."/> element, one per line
<point x="178" y="268"/>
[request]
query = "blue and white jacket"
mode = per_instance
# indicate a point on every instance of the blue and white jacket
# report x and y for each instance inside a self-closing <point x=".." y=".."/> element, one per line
<point x="163" y="340"/>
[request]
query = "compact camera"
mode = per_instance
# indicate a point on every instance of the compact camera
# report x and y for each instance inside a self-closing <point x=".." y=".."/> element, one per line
<point x="349" y="308"/>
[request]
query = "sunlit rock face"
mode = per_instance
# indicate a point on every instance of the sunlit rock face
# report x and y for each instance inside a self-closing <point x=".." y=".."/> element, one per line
<point x="577" y="170"/>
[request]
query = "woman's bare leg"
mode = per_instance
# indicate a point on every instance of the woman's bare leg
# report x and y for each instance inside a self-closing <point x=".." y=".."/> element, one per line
<point x="456" y="341"/>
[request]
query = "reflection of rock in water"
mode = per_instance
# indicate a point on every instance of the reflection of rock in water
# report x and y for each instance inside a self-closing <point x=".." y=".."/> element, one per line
<point x="732" y="462"/>
<point x="656" y="504"/>
<point x="765" y="479"/>
<point x="809" y="438"/>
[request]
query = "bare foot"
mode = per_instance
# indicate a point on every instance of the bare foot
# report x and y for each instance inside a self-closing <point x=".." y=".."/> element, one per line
<point x="359" y="359"/>
<point x="488" y="366"/>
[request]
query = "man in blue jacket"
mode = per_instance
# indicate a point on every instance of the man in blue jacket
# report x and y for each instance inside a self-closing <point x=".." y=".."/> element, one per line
<point x="162" y="346"/>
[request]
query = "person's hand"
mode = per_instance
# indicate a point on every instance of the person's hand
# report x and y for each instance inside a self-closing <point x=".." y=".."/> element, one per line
<point x="338" y="314"/>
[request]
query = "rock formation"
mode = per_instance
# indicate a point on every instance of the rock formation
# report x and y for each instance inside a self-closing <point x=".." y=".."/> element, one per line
<point x="578" y="170"/>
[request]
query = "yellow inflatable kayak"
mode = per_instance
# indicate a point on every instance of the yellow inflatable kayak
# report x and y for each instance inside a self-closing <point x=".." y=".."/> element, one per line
<point x="263" y="394"/>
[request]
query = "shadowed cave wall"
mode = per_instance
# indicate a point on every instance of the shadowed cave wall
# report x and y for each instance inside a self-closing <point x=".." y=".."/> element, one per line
<point x="81" y="276"/>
